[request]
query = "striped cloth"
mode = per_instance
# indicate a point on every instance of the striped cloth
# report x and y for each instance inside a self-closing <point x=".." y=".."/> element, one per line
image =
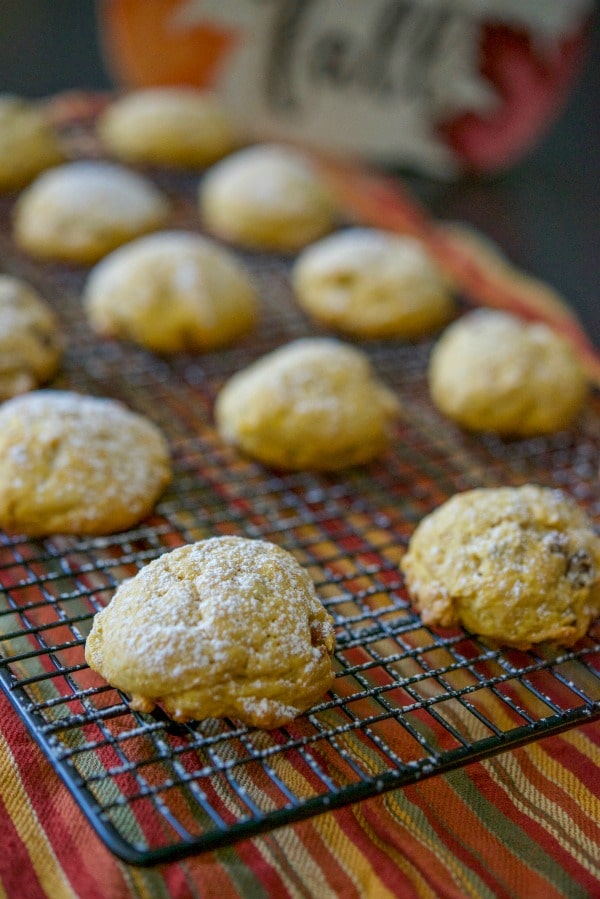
<point x="525" y="823"/>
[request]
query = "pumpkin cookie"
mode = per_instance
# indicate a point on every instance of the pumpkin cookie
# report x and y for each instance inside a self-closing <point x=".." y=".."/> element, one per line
<point x="491" y="371"/>
<point x="171" y="291"/>
<point x="313" y="404"/>
<point x="77" y="464"/>
<point x="266" y="197"/>
<point x="30" y="341"/>
<point x="80" y="211"/>
<point x="372" y="284"/>
<point x="167" y="126"/>
<point x="517" y="565"/>
<point x="226" y="627"/>
<point x="28" y="143"/>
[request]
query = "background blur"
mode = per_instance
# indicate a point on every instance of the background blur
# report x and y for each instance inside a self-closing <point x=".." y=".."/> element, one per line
<point x="544" y="213"/>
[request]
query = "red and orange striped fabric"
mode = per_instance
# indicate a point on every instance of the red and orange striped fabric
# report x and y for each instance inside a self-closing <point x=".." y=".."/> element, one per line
<point x="525" y="823"/>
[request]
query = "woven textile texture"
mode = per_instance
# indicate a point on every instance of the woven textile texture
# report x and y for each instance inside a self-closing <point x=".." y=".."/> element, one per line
<point x="522" y="824"/>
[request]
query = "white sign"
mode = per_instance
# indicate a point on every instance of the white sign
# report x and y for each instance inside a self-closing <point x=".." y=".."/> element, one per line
<point x="375" y="78"/>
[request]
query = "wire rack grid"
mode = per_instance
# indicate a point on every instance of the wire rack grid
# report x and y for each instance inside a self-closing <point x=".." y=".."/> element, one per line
<point x="408" y="702"/>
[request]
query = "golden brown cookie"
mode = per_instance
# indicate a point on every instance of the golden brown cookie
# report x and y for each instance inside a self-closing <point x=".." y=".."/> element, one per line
<point x="226" y="627"/>
<point x="171" y="291"/>
<point x="491" y="371"/>
<point x="517" y="565"/>
<point x="77" y="464"/>
<point x="266" y="197"/>
<point x="30" y="340"/>
<point x="372" y="284"/>
<point x="80" y="211"/>
<point x="174" y="126"/>
<point x="28" y="143"/>
<point x="312" y="404"/>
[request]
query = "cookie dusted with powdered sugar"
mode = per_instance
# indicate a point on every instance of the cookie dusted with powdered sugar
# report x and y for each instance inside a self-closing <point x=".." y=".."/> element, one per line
<point x="315" y="403"/>
<point x="491" y="371"/>
<point x="517" y="565"/>
<point x="30" y="338"/>
<point x="226" y="627"/>
<point x="268" y="197"/>
<point x="374" y="284"/>
<point x="77" y="464"/>
<point x="170" y="292"/>
<point x="173" y="126"/>
<point x="80" y="211"/>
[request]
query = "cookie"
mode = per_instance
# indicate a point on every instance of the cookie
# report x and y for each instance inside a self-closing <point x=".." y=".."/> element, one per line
<point x="226" y="627"/>
<point x="516" y="565"/>
<point x="491" y="371"/>
<point x="28" y="143"/>
<point x="167" y="126"/>
<point x="80" y="211"/>
<point x="265" y="197"/>
<point x="169" y="292"/>
<point x="373" y="284"/>
<point x="77" y="464"/>
<point x="30" y="339"/>
<point x="312" y="404"/>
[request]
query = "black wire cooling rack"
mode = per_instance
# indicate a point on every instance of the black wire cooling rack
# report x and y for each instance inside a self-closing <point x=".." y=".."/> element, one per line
<point x="408" y="702"/>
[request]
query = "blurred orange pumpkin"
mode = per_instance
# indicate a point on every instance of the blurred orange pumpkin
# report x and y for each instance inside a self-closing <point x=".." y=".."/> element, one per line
<point x="145" y="46"/>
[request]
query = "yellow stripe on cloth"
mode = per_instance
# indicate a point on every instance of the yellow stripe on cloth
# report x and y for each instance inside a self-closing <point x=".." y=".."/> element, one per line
<point x="288" y="872"/>
<point x="351" y="858"/>
<point x="411" y="818"/>
<point x="285" y="851"/>
<point x="587" y="802"/>
<point x="580" y="740"/>
<point x="299" y="871"/>
<point x="539" y="807"/>
<point x="50" y="874"/>
<point x="566" y="780"/>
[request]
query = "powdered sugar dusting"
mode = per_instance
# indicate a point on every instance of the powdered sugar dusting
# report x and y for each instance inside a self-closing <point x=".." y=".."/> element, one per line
<point x="274" y="178"/>
<point x="228" y="617"/>
<point x="311" y="404"/>
<point x="513" y="564"/>
<point x="71" y="462"/>
<point x="107" y="189"/>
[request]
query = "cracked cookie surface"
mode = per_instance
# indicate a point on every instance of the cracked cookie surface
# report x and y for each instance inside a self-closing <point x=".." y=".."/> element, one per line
<point x="314" y="404"/>
<point x="491" y="371"/>
<point x="79" y="464"/>
<point x="80" y="211"/>
<point x="226" y="627"/>
<point x="170" y="292"/>
<point x="517" y="565"/>
<point x="372" y="284"/>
